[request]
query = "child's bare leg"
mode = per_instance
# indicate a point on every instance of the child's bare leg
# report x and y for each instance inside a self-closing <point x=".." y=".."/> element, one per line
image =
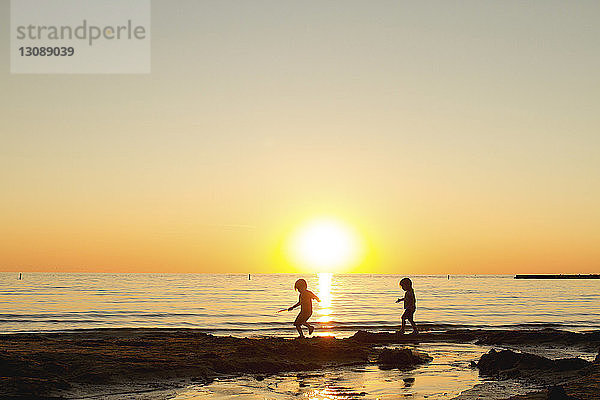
<point x="299" y="329"/>
<point x="414" y="326"/>
<point x="403" y="326"/>
<point x="310" y="328"/>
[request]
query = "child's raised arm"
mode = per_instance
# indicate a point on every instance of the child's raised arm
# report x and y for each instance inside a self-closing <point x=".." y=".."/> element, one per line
<point x="315" y="297"/>
<point x="294" y="306"/>
<point x="399" y="300"/>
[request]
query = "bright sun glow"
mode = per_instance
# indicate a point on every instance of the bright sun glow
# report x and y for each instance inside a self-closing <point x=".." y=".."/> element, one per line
<point x="325" y="245"/>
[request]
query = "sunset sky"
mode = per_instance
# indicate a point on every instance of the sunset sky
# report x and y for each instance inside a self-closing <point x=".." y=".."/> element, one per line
<point x="452" y="137"/>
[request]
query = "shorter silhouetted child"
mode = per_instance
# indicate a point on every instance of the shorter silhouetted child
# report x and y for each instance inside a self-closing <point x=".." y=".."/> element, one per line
<point x="305" y="302"/>
<point x="410" y="305"/>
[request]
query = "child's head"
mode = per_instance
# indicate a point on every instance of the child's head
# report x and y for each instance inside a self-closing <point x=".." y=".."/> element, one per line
<point x="406" y="283"/>
<point x="300" y="285"/>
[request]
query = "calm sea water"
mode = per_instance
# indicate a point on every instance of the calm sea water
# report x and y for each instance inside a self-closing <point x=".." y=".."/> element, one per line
<point x="232" y="304"/>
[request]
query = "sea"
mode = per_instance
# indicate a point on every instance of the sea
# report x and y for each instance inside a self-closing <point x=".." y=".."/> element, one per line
<point x="250" y="306"/>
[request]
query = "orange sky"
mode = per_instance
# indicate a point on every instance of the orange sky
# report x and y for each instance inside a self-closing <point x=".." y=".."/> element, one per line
<point x="454" y="138"/>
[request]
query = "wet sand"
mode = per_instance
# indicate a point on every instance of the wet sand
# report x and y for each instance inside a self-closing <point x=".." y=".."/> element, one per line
<point x="88" y="362"/>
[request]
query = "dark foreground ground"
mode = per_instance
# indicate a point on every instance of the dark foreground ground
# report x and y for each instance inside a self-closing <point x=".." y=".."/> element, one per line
<point x="55" y="365"/>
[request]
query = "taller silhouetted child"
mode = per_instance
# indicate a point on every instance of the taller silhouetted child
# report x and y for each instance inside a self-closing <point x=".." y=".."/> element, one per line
<point x="305" y="302"/>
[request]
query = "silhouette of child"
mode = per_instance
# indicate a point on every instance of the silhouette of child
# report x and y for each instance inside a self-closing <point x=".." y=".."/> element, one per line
<point x="305" y="302"/>
<point x="410" y="305"/>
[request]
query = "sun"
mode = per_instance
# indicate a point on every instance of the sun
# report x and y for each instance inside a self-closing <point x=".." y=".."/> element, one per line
<point x="325" y="245"/>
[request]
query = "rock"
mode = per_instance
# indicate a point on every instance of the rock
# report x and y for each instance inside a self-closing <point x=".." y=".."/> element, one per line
<point x="371" y="337"/>
<point x="510" y="363"/>
<point x="494" y="361"/>
<point x="557" y="392"/>
<point x="408" y="382"/>
<point x="569" y="364"/>
<point x="14" y="387"/>
<point x="401" y="358"/>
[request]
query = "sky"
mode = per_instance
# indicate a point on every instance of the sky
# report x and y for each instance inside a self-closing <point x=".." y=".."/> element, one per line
<point x="453" y="137"/>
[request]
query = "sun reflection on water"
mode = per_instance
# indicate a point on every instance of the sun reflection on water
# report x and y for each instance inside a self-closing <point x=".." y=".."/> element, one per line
<point x="325" y="310"/>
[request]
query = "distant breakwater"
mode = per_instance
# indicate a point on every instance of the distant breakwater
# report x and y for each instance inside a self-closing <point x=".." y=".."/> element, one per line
<point x="560" y="276"/>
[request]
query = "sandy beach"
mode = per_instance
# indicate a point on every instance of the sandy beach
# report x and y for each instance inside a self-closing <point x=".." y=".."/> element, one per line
<point x="155" y="362"/>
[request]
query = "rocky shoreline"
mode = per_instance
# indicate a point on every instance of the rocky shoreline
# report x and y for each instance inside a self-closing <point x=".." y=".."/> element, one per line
<point x="56" y="365"/>
<point x="559" y="376"/>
